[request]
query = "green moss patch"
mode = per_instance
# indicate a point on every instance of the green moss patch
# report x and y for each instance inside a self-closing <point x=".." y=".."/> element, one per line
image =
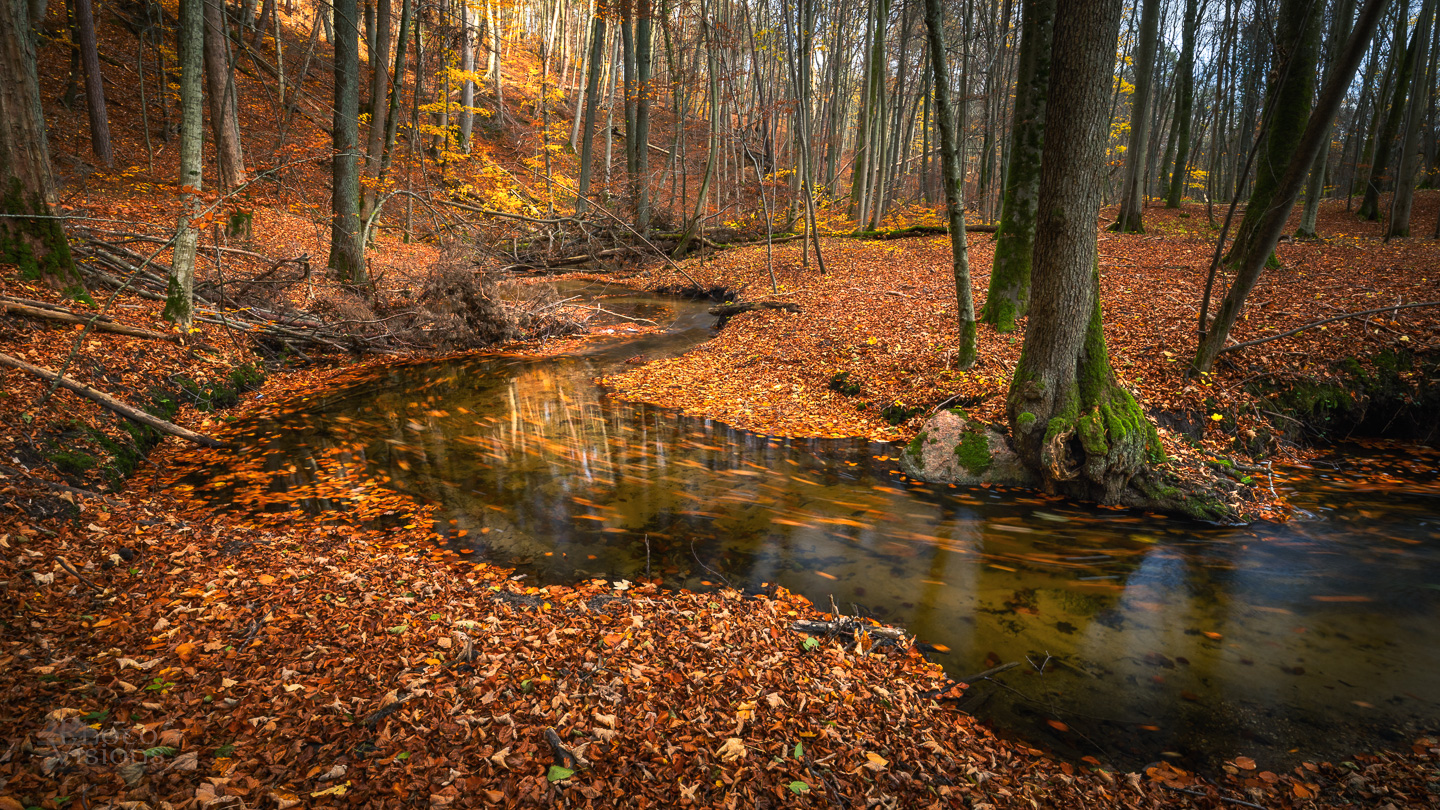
<point x="973" y="452"/>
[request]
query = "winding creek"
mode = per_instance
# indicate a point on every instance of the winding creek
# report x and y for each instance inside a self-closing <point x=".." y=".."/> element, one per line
<point x="1138" y="638"/>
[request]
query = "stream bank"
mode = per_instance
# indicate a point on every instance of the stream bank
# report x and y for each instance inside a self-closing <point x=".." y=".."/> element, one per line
<point x="370" y="564"/>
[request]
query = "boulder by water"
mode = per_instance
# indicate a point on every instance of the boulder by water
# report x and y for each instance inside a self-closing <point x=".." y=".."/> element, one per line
<point x="951" y="448"/>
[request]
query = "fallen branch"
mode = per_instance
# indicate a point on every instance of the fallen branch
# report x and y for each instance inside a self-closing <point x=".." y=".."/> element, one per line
<point x="100" y="323"/>
<point x="64" y="563"/>
<point x="913" y="230"/>
<point x="846" y="627"/>
<point x="564" y="757"/>
<point x="111" y="402"/>
<point x="980" y="676"/>
<point x="1314" y="324"/>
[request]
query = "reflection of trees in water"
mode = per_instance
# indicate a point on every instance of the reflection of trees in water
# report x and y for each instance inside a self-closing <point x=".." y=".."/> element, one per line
<point x="528" y="457"/>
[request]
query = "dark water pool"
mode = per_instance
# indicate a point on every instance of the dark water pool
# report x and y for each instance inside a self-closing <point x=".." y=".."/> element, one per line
<point x="1138" y="638"/>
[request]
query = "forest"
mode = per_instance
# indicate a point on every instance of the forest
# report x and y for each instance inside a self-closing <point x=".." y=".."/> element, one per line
<point x="724" y="403"/>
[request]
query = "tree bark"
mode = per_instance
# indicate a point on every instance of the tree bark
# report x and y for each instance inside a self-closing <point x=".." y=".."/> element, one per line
<point x="347" y="252"/>
<point x="379" y="87"/>
<point x="180" y="289"/>
<point x="467" y="65"/>
<point x="220" y="84"/>
<point x="1380" y="161"/>
<point x="1185" y="105"/>
<point x="1071" y="421"/>
<point x="1339" y="32"/>
<point x="1404" y="198"/>
<point x="1249" y="265"/>
<point x="643" y="70"/>
<point x="94" y="83"/>
<point x="954" y="194"/>
<point x="1297" y="50"/>
<point x="1132" y="194"/>
<point x="712" y="66"/>
<point x="587" y="134"/>
<point x="1009" y="296"/>
<point x="27" y="189"/>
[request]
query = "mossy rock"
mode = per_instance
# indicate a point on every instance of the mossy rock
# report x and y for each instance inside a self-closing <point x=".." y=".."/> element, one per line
<point x="953" y="449"/>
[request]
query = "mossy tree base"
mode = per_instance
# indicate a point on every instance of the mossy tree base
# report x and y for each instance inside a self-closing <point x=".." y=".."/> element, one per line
<point x="953" y="449"/>
<point x="31" y="239"/>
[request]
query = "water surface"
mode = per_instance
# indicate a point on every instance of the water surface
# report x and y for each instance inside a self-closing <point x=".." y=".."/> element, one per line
<point x="1138" y="638"/>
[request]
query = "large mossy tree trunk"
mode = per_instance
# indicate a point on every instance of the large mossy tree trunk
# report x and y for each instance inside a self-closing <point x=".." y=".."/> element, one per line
<point x="347" y="251"/>
<point x="1071" y="421"/>
<point x="29" y="237"/>
<point x="1380" y="158"/>
<point x="1009" y="295"/>
<point x="1132" y="193"/>
<point x="1297" y="51"/>
<point x="180" y="292"/>
<point x="954" y="193"/>
<point x="1184" y="106"/>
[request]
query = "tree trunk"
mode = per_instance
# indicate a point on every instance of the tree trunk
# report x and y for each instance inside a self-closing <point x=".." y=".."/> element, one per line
<point x="220" y="84"/>
<point x="1339" y="32"/>
<point x="1370" y="206"/>
<point x="347" y="252"/>
<point x="1420" y="91"/>
<point x="1132" y="194"/>
<point x="712" y="67"/>
<point x="467" y="86"/>
<point x="1271" y="225"/>
<point x="180" y="292"/>
<point x="1297" y="50"/>
<point x="627" y="60"/>
<point x="954" y="194"/>
<point x="587" y="135"/>
<point x="1071" y="421"/>
<point x="94" y="83"/>
<point x="379" y="87"/>
<point x="392" y="114"/>
<point x="1185" y="76"/>
<point x="27" y="189"/>
<point x="643" y="71"/>
<point x="1009" y="296"/>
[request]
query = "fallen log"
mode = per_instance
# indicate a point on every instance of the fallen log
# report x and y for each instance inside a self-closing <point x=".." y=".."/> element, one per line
<point x="846" y="627"/>
<point x="913" y="230"/>
<point x="726" y="311"/>
<point x="103" y="325"/>
<point x="110" y="402"/>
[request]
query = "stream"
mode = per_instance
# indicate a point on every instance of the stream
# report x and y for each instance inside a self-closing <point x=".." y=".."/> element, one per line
<point x="1138" y="638"/>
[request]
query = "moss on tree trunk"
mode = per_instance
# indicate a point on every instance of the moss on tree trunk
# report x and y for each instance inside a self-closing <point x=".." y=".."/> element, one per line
<point x="31" y="239"/>
<point x="1009" y="295"/>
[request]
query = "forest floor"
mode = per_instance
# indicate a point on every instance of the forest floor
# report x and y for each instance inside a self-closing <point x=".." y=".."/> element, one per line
<point x="157" y="652"/>
<point x="884" y="318"/>
<point x="154" y="653"/>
